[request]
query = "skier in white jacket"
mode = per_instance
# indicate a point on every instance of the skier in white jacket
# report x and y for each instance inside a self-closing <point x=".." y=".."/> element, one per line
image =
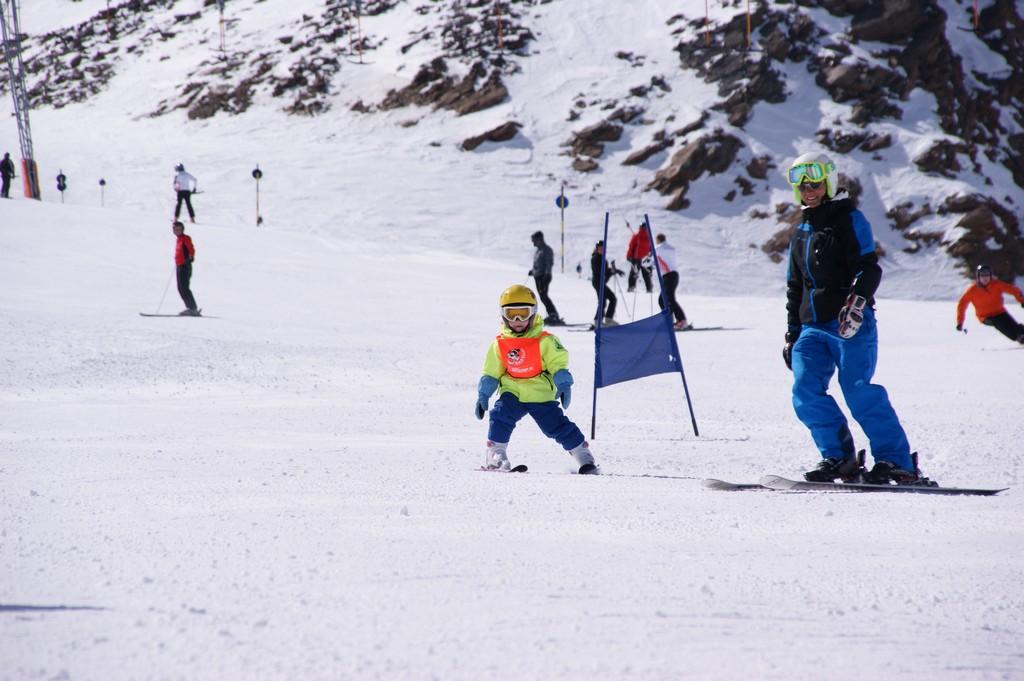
<point x="184" y="185"/>
<point x="670" y="280"/>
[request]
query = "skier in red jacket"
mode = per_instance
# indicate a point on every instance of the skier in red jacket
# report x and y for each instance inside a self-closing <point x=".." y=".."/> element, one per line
<point x="184" y="254"/>
<point x="638" y="249"/>
<point x="987" y="296"/>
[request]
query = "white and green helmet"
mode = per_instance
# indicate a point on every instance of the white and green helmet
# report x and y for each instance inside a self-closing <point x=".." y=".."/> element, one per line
<point x="814" y="167"/>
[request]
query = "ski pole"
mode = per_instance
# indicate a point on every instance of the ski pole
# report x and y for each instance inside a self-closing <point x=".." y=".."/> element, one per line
<point x="167" y="286"/>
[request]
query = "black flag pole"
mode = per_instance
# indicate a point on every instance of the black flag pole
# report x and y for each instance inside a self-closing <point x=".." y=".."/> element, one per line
<point x="597" y="327"/>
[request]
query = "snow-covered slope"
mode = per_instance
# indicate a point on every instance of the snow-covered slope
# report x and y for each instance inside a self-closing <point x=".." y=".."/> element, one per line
<point x="287" y="489"/>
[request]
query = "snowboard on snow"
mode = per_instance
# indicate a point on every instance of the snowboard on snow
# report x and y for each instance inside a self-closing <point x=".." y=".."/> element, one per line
<point x="779" y="483"/>
<point x="712" y="483"/>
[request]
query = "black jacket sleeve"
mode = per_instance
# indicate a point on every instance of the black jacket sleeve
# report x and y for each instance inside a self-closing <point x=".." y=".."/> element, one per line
<point x="862" y="260"/>
<point x="794" y="289"/>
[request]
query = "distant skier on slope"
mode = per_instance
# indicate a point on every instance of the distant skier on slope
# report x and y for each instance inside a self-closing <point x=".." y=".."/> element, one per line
<point x="670" y="279"/>
<point x="6" y="173"/>
<point x="184" y="254"/>
<point x="987" y="296"/>
<point x="543" y="266"/>
<point x="637" y="253"/>
<point x="833" y="275"/>
<point x="531" y="368"/>
<point x="184" y="185"/>
<point x="596" y="258"/>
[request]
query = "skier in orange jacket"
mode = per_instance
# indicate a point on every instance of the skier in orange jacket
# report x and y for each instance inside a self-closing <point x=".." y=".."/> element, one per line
<point x="987" y="296"/>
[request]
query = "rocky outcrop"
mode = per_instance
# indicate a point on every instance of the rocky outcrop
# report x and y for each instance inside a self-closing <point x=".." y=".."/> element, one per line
<point x="433" y="86"/>
<point x="712" y="154"/>
<point x="989" y="233"/>
<point x="591" y="140"/>
<point x="914" y="53"/>
<point x="743" y="79"/>
<point x="638" y="157"/>
<point x="941" y="158"/>
<point x="502" y="133"/>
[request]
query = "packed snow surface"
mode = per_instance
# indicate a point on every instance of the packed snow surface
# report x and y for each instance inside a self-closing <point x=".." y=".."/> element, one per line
<point x="288" y="487"/>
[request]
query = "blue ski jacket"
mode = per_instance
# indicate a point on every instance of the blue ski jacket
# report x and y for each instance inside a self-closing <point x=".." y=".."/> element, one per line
<point x="831" y="252"/>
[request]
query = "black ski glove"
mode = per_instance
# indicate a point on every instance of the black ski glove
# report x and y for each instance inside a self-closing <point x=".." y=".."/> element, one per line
<point x="787" y="350"/>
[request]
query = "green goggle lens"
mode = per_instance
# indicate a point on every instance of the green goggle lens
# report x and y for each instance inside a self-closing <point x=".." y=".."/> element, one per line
<point x="813" y="172"/>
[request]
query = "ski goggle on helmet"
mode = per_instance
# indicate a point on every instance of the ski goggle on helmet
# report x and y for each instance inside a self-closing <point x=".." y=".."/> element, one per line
<point x="518" y="313"/>
<point x="814" y="173"/>
<point x="517" y="303"/>
<point x="812" y="169"/>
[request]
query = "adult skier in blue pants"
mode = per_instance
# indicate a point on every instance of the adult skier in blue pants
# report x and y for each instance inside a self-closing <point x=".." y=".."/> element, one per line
<point x="833" y="275"/>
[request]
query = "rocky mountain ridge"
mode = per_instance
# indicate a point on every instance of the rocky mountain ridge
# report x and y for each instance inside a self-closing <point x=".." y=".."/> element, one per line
<point x="887" y="51"/>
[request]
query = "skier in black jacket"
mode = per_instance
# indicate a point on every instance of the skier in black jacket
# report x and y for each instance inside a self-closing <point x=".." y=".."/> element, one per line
<point x="595" y="280"/>
<point x="543" y="266"/>
<point x="831" y="283"/>
<point x="6" y="173"/>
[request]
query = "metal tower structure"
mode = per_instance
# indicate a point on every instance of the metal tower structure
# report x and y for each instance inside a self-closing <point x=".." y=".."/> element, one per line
<point x="12" y="37"/>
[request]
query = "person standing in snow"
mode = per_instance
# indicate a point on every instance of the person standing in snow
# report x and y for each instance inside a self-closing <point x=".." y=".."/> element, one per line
<point x="6" y="173"/>
<point x="670" y="279"/>
<point x="543" y="264"/>
<point x="184" y="254"/>
<point x="638" y="249"/>
<point x="987" y="296"/>
<point x="832" y="278"/>
<point x="530" y="369"/>
<point x="595" y="280"/>
<point x="184" y="185"/>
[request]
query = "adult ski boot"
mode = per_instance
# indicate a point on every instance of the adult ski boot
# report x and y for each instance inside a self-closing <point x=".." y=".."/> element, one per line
<point x="847" y="469"/>
<point x="886" y="473"/>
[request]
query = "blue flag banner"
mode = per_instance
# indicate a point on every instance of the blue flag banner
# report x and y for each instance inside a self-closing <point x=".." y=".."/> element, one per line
<point x="642" y="348"/>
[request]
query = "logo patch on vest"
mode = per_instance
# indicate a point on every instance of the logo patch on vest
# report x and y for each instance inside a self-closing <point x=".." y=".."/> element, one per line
<point x="521" y="356"/>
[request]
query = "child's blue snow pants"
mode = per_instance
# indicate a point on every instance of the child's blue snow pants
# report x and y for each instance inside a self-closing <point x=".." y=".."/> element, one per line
<point x="549" y="417"/>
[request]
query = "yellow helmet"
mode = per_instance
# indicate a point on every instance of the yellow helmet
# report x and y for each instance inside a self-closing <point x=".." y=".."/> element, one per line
<point x="517" y="294"/>
<point x="517" y="302"/>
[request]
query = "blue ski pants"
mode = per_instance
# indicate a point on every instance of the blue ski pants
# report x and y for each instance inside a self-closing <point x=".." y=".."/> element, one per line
<point x="817" y="353"/>
<point x="549" y="416"/>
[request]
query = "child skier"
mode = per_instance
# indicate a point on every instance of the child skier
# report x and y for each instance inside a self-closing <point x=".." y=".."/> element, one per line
<point x="530" y="366"/>
<point x="987" y="296"/>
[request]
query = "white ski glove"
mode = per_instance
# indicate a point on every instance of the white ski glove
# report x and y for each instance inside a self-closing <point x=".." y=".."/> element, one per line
<point x="852" y="315"/>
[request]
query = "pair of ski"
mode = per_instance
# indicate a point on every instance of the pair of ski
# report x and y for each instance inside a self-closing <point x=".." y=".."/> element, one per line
<point x="775" y="482"/>
<point x="585" y="469"/>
